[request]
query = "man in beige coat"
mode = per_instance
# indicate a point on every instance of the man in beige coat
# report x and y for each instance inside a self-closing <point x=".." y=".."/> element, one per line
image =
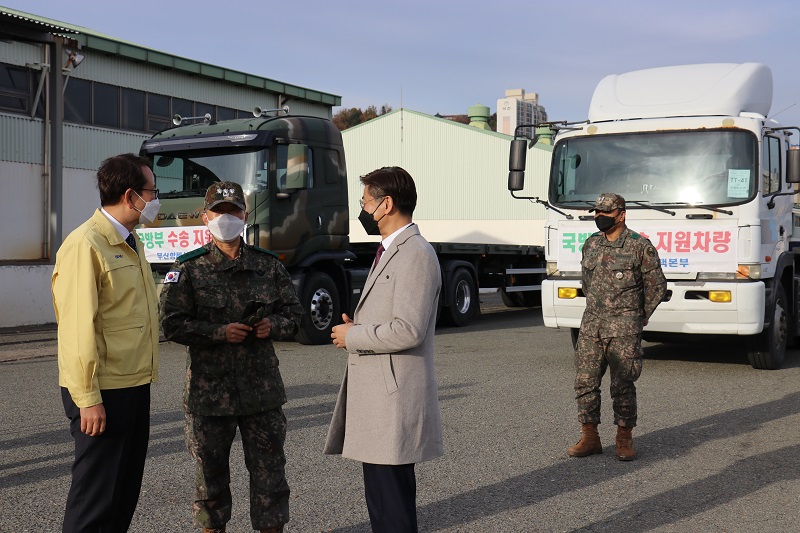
<point x="387" y="413"/>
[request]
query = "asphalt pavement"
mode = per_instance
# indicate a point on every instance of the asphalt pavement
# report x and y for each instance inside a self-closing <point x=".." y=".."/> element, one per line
<point x="718" y="441"/>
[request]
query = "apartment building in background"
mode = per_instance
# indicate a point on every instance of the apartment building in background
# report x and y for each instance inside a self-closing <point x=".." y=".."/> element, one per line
<point x="517" y="108"/>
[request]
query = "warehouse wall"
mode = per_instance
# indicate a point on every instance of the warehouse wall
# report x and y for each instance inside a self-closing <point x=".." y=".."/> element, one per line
<point x="461" y="174"/>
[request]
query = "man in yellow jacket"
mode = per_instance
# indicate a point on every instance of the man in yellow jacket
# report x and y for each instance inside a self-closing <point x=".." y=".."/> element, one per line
<point x="106" y="308"/>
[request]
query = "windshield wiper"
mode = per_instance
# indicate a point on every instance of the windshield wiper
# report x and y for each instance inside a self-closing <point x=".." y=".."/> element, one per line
<point x="183" y="194"/>
<point x="587" y="202"/>
<point x="536" y="199"/>
<point x="708" y="208"/>
<point x="647" y="205"/>
<point x="570" y="204"/>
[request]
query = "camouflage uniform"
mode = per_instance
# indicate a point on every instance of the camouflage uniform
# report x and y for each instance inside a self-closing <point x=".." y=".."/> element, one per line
<point x="230" y="385"/>
<point x="623" y="284"/>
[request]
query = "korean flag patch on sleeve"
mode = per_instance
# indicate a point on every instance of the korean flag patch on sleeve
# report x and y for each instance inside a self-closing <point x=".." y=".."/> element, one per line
<point x="172" y="276"/>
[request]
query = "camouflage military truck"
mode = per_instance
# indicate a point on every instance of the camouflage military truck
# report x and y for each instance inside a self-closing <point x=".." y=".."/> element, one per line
<point x="292" y="170"/>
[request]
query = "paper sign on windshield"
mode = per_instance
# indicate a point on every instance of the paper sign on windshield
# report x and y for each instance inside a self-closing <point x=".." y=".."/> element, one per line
<point x="738" y="183"/>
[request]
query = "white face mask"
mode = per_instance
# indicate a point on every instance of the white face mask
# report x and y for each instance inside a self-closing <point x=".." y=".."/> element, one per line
<point x="226" y="227"/>
<point x="150" y="210"/>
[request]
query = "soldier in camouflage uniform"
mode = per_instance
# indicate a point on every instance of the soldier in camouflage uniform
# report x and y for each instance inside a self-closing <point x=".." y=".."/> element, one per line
<point x="623" y="284"/>
<point x="227" y="302"/>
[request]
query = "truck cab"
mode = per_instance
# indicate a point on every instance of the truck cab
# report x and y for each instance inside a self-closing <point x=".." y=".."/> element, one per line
<point x="292" y="171"/>
<point x="708" y="178"/>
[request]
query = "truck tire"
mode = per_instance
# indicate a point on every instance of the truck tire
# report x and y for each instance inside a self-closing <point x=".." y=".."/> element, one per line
<point x="521" y="299"/>
<point x="463" y="297"/>
<point x="532" y="298"/>
<point x="439" y="307"/>
<point x="767" y="350"/>
<point x="573" y="334"/>
<point x="511" y="299"/>
<point x="322" y="309"/>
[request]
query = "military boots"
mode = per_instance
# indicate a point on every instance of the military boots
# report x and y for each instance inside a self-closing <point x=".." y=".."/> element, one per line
<point x="625" y="451"/>
<point x="589" y="443"/>
<point x="278" y="529"/>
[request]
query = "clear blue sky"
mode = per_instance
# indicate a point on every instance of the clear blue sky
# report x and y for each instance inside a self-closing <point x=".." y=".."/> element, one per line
<point x="446" y="55"/>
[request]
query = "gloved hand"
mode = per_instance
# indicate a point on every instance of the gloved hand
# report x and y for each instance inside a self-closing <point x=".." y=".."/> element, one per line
<point x="252" y="314"/>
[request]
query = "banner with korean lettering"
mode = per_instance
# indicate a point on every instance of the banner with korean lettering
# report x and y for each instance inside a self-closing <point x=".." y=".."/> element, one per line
<point x="164" y="245"/>
<point x="682" y="247"/>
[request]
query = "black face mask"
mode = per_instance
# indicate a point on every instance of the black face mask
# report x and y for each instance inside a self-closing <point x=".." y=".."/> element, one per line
<point x="604" y="222"/>
<point x="369" y="223"/>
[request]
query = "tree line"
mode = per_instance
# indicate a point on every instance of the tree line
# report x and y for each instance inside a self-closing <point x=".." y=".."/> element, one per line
<point x="347" y="118"/>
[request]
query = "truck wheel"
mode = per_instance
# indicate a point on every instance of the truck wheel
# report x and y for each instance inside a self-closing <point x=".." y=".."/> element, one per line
<point x="532" y="298"/>
<point x="767" y="350"/>
<point x="521" y="299"/>
<point x="511" y="299"/>
<point x="321" y="309"/>
<point x="439" y="307"/>
<point x="463" y="297"/>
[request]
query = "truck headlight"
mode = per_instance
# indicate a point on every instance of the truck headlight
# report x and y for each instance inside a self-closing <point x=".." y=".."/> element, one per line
<point x="717" y="276"/>
<point x="748" y="272"/>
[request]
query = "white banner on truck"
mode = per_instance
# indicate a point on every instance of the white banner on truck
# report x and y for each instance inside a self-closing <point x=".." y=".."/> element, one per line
<point x="681" y="247"/>
<point x="164" y="245"/>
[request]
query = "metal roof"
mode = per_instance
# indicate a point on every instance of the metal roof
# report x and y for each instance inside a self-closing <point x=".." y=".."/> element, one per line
<point x="28" y="20"/>
<point x="425" y="116"/>
<point x="34" y="27"/>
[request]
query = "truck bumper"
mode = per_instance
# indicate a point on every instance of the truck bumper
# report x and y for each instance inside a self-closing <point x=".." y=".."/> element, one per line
<point x="685" y="312"/>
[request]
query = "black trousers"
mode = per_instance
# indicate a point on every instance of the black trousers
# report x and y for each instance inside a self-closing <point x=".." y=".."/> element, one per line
<point x="391" y="492"/>
<point x="107" y="472"/>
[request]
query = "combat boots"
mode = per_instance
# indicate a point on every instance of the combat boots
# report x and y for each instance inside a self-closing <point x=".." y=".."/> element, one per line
<point x="589" y="443"/>
<point x="278" y="529"/>
<point x="625" y="451"/>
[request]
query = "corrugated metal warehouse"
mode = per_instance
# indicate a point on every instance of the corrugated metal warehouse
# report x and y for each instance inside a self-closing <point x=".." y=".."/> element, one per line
<point x="461" y="175"/>
<point x="58" y="124"/>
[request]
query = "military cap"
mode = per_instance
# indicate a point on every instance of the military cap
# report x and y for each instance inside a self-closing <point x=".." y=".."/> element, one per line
<point x="608" y="201"/>
<point x="225" y="191"/>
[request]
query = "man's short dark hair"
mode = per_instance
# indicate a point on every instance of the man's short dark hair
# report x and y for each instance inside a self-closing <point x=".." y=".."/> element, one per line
<point x="119" y="173"/>
<point x="394" y="182"/>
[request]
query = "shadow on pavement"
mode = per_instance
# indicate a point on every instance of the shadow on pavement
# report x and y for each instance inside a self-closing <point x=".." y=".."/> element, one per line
<point x="504" y="319"/>
<point x="642" y="515"/>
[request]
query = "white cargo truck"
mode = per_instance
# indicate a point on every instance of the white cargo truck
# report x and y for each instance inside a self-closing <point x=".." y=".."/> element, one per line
<point x="708" y="177"/>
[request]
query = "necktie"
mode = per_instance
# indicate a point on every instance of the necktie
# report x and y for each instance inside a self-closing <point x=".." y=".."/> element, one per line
<point x="378" y="255"/>
<point x="131" y="242"/>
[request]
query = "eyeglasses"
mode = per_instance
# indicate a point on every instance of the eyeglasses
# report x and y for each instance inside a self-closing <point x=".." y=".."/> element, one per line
<point x="362" y="203"/>
<point x="154" y="191"/>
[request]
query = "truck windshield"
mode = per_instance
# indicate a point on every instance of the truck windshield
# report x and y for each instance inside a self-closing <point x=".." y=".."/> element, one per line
<point x="190" y="173"/>
<point x="680" y="167"/>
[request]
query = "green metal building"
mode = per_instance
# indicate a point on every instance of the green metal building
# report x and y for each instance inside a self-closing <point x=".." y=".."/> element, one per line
<point x="71" y="97"/>
<point x="461" y="174"/>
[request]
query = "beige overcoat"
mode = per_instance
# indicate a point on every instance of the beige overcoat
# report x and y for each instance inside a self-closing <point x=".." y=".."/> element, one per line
<point x="387" y="411"/>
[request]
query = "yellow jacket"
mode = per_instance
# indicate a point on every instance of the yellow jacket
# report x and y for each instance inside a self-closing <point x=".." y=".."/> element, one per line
<point x="107" y="313"/>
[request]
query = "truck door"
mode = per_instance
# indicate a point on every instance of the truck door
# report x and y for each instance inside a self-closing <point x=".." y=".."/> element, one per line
<point x="775" y="220"/>
<point x="293" y="202"/>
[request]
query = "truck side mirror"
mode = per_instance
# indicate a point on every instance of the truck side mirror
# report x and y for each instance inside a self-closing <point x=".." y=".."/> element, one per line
<point x="516" y="165"/>
<point x="793" y="166"/>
